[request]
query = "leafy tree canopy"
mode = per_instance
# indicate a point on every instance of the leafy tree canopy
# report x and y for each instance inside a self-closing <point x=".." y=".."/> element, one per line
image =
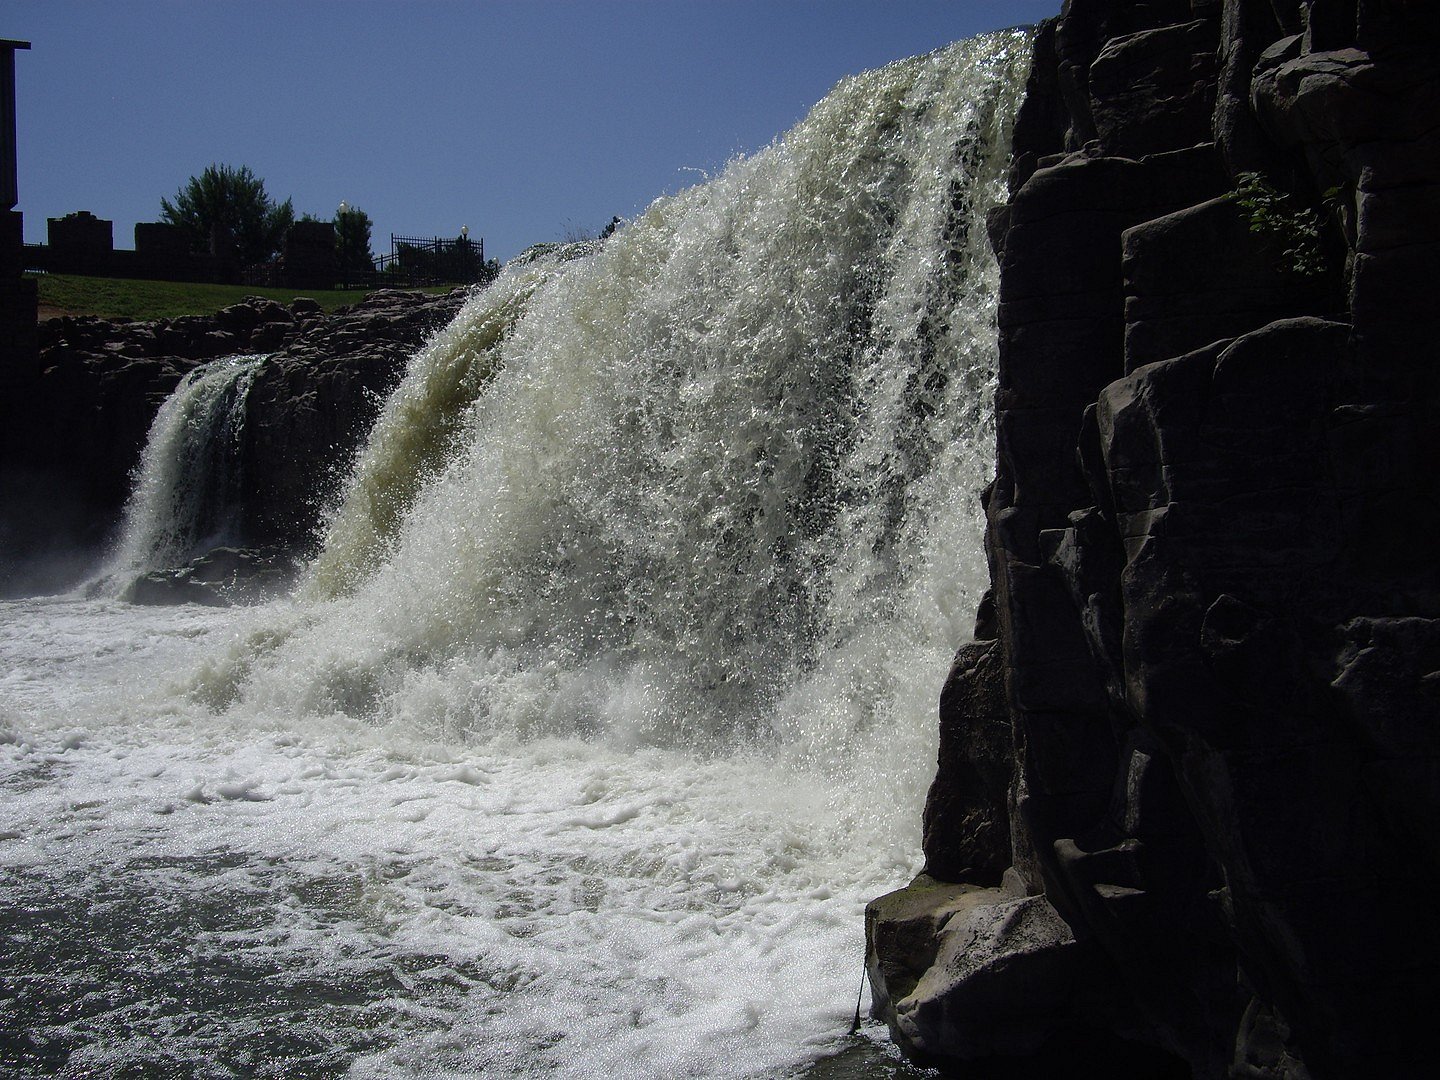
<point x="352" y="239"/>
<point x="234" y="203"/>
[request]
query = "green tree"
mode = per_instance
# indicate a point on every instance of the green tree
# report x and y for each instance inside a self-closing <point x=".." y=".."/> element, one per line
<point x="232" y="202"/>
<point x="352" y="240"/>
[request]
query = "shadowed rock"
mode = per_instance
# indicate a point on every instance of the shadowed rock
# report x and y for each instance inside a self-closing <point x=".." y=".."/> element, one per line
<point x="78" y="432"/>
<point x="1211" y="544"/>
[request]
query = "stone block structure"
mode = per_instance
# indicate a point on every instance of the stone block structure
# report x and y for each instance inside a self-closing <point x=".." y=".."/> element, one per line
<point x="308" y="257"/>
<point x="80" y="243"/>
<point x="19" y="345"/>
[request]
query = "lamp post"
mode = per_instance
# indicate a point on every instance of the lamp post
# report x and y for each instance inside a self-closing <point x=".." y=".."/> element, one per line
<point x="344" y="245"/>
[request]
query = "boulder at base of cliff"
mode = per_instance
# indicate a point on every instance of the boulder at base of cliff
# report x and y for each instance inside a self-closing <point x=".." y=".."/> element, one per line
<point x="219" y="578"/>
<point x="994" y="982"/>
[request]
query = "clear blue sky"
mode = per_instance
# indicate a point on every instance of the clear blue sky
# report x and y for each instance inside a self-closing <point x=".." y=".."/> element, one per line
<point x="523" y="119"/>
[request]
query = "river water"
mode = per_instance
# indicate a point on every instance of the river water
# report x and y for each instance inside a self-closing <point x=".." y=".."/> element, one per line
<point x="610" y="699"/>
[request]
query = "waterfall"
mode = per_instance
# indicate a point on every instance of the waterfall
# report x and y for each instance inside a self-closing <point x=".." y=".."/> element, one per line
<point x="717" y="478"/>
<point x="187" y="484"/>
<point x="610" y="699"/>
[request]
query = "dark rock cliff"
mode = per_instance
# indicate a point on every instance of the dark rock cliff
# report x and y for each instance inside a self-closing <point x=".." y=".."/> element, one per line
<point x="73" y="436"/>
<point x="1182" y="823"/>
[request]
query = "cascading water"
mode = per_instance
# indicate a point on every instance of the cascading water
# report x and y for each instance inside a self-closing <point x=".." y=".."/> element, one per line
<point x="729" y="459"/>
<point x="610" y="699"/>
<point x="187" y="482"/>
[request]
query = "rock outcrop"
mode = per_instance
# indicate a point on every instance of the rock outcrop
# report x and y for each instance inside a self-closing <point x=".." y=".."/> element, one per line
<point x="220" y="577"/>
<point x="75" y="434"/>
<point x="1211" y="538"/>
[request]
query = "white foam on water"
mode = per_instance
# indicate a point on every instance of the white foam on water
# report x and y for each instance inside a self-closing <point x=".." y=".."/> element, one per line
<point x="546" y="907"/>
<point x="611" y="699"/>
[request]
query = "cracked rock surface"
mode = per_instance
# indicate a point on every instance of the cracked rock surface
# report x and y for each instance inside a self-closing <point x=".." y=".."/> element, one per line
<point x="1215" y="633"/>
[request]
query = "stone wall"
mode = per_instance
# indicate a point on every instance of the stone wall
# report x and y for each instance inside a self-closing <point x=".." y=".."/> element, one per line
<point x="1216" y="607"/>
<point x="81" y="243"/>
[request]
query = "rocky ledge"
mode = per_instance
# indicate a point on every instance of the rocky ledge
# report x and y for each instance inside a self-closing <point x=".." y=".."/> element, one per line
<point x="75" y="430"/>
<point x="220" y="577"/>
<point x="1189" y="769"/>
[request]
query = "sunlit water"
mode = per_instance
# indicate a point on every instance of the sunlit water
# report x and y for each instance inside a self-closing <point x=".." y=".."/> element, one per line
<point x="610" y="700"/>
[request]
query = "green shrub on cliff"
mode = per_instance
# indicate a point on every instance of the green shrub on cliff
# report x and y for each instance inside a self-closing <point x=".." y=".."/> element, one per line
<point x="1294" y="227"/>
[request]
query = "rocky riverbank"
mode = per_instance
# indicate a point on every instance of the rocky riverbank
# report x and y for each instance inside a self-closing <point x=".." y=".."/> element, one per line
<point x="1189" y="768"/>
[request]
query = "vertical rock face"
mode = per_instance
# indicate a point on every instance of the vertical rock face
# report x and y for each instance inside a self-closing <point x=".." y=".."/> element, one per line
<point x="1217" y="605"/>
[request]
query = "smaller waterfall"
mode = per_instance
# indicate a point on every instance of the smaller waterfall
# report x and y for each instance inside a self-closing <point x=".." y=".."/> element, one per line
<point x="187" y="484"/>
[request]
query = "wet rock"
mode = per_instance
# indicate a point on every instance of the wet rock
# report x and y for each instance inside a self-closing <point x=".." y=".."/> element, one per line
<point x="219" y="578"/>
<point x="1155" y="90"/>
<point x="102" y="382"/>
<point x="314" y="401"/>
<point x="974" y="977"/>
<point x="1210" y="538"/>
<point x="967" y="820"/>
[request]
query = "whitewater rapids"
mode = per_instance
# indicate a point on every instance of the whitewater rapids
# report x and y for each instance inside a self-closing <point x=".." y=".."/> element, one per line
<point x="610" y="699"/>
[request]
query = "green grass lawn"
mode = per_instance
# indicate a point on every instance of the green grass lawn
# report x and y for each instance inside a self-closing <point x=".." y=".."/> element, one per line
<point x="119" y="298"/>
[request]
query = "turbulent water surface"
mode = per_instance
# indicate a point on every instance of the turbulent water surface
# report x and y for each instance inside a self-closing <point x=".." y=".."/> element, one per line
<point x="610" y="699"/>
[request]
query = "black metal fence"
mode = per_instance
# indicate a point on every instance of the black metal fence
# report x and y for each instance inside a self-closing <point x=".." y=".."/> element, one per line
<point x="434" y="260"/>
<point x="416" y="261"/>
